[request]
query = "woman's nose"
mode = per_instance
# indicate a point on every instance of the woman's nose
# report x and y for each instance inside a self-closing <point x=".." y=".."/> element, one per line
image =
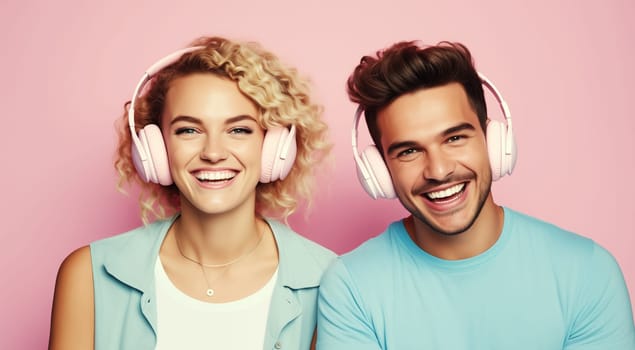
<point x="214" y="150"/>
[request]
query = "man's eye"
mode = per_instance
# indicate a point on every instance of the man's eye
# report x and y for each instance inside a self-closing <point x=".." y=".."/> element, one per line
<point x="408" y="154"/>
<point x="455" y="138"/>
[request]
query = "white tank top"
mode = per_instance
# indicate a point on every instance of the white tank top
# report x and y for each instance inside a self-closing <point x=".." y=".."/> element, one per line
<point x="187" y="323"/>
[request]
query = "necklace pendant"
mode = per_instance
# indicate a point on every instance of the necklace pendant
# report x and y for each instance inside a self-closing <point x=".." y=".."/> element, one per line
<point x="209" y="292"/>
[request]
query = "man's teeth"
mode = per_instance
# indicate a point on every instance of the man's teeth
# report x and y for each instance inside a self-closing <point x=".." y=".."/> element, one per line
<point x="215" y="175"/>
<point x="447" y="192"/>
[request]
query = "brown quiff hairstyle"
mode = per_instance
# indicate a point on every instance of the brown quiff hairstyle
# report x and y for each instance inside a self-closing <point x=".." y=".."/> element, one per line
<point x="278" y="91"/>
<point x="406" y="67"/>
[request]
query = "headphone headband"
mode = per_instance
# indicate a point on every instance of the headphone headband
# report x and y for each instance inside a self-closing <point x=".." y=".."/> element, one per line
<point x="504" y="108"/>
<point x="147" y="76"/>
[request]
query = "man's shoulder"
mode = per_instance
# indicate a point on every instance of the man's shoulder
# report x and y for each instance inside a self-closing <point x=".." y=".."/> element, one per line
<point x="376" y="250"/>
<point x="358" y="271"/>
<point x="534" y="227"/>
<point x="551" y="241"/>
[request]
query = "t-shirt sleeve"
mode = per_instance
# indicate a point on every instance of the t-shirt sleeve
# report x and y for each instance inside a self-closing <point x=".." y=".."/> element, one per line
<point x="605" y="319"/>
<point x="342" y="320"/>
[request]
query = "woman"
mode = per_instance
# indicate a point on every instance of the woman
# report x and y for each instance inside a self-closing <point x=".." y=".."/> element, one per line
<point x="223" y="135"/>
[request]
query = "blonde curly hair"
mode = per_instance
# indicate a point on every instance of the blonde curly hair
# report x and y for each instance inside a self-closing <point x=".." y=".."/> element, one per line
<point x="279" y="92"/>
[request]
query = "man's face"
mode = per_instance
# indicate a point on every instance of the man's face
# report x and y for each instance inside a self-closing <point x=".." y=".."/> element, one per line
<point x="436" y="153"/>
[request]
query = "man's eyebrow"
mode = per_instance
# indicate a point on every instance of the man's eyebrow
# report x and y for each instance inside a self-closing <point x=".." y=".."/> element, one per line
<point x="460" y="127"/>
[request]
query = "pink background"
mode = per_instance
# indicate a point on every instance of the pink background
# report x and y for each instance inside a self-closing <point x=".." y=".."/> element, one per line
<point x="565" y="68"/>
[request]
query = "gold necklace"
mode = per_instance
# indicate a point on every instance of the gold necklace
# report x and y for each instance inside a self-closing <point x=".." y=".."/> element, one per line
<point x="210" y="291"/>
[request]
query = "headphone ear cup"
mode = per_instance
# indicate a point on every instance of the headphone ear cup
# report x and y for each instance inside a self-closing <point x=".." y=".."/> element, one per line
<point x="496" y="148"/>
<point x="278" y="155"/>
<point x="379" y="184"/>
<point x="157" y="168"/>
<point x="509" y="159"/>
<point x="143" y="168"/>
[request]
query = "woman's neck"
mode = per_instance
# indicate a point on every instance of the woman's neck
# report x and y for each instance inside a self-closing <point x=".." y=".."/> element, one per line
<point x="217" y="238"/>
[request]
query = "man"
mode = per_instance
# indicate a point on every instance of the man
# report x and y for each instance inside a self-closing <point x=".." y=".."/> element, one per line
<point x="460" y="272"/>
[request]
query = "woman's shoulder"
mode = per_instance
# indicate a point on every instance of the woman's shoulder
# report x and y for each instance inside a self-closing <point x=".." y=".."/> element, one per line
<point x="77" y="263"/>
<point x="73" y="301"/>
<point x="290" y="243"/>
<point x="139" y="235"/>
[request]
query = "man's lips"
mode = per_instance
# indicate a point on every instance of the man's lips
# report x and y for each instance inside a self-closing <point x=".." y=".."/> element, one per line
<point x="446" y="193"/>
<point x="445" y="199"/>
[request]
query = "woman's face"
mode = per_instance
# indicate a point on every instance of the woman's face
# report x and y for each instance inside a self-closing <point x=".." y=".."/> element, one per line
<point x="214" y="143"/>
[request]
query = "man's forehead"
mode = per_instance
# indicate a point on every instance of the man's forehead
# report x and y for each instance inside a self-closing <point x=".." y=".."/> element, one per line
<point x="430" y="111"/>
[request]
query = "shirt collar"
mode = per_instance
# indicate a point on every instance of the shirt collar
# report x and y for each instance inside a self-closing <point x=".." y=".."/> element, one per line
<point x="133" y="264"/>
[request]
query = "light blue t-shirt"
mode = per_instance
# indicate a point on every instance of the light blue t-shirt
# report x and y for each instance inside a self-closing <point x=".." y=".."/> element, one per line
<point x="537" y="288"/>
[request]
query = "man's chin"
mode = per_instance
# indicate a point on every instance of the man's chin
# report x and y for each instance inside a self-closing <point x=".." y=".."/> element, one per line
<point x="452" y="229"/>
<point x="448" y="232"/>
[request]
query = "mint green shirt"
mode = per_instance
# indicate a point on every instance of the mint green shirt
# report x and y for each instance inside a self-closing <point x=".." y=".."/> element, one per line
<point x="125" y="309"/>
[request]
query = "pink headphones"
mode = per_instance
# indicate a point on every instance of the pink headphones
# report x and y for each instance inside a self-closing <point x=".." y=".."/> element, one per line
<point x="501" y="146"/>
<point x="150" y="157"/>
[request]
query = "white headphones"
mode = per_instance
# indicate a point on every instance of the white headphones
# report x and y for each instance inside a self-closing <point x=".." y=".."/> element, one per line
<point x="501" y="146"/>
<point x="150" y="157"/>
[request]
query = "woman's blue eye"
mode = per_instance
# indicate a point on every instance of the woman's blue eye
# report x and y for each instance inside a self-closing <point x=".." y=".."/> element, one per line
<point x="180" y="131"/>
<point x="240" y="131"/>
